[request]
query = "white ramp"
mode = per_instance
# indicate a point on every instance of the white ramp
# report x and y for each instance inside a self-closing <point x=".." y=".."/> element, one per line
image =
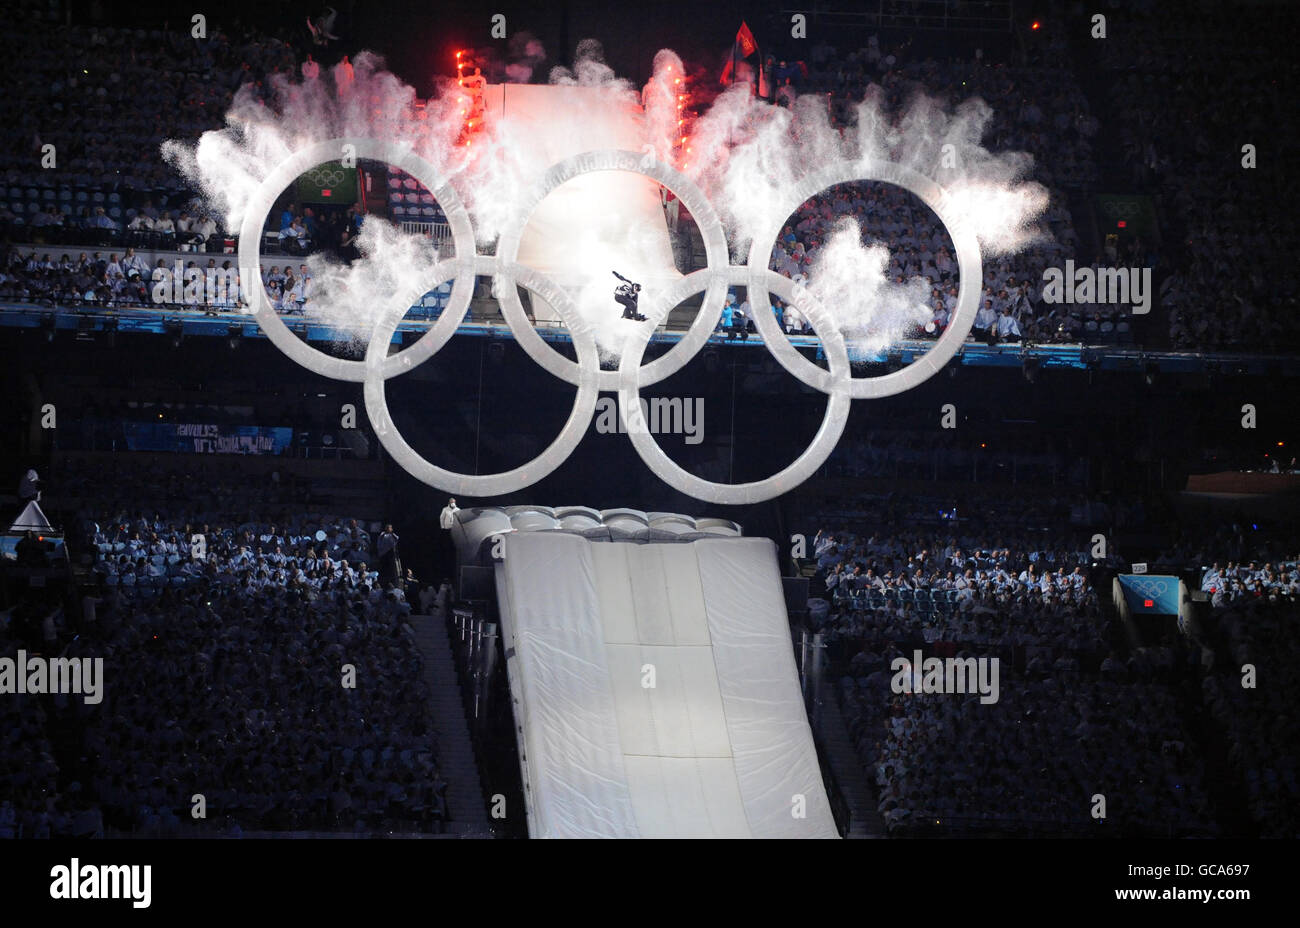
<point x="718" y="746"/>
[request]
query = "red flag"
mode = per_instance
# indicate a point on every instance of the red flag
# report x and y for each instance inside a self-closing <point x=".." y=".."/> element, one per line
<point x="745" y="39"/>
<point x="744" y="46"/>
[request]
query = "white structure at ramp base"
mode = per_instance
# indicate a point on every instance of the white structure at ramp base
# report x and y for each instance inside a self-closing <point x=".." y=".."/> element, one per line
<point x="475" y="529"/>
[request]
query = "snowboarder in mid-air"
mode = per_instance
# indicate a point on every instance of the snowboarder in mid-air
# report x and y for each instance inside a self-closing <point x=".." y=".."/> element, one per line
<point x="626" y="295"/>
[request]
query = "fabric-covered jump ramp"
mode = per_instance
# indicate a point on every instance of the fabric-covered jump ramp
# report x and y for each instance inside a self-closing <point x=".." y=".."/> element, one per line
<point x="719" y="746"/>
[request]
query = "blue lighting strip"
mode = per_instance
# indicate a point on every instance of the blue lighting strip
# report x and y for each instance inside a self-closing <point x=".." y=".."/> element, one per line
<point x="977" y="354"/>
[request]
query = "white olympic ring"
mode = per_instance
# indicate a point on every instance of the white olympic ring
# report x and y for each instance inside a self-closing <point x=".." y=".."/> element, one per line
<point x="713" y="280"/>
<point x="1150" y="588"/>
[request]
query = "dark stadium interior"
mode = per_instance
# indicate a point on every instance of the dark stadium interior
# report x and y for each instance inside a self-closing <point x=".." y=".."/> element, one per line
<point x="1002" y="509"/>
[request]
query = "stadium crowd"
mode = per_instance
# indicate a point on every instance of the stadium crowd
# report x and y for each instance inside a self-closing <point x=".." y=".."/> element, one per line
<point x="931" y="455"/>
<point x="146" y="552"/>
<point x="268" y="665"/>
<point x="204" y="491"/>
<point x="1022" y="99"/>
<point x="240" y="692"/>
<point x="1083" y="708"/>
<point x="129" y="280"/>
<point x="1038" y="105"/>
<point x="1234" y="581"/>
<point x="1013" y="589"/>
<point x="1260" y="721"/>
<point x="1188" y="93"/>
<point x="115" y="281"/>
<point x="1081" y="711"/>
<point x="32" y="804"/>
<point x="1033" y="762"/>
<point x="101" y="96"/>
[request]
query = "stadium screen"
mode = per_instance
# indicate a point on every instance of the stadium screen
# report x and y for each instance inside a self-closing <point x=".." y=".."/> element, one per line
<point x="328" y="183"/>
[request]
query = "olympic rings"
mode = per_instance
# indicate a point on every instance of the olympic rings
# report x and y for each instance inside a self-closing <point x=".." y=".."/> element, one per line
<point x="508" y="275"/>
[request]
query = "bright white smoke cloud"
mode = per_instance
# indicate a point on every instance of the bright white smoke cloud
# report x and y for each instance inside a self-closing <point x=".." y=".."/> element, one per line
<point x="851" y="280"/>
<point x="342" y="294"/>
<point x="744" y="153"/>
<point x="747" y="152"/>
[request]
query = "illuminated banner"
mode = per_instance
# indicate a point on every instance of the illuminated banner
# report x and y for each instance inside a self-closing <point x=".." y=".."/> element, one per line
<point x="1135" y="214"/>
<point x="328" y="183"/>
<point x="1150" y="594"/>
<point x="195" y="438"/>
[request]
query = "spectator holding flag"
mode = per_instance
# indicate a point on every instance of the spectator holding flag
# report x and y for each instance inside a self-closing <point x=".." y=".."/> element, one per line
<point x="744" y="46"/>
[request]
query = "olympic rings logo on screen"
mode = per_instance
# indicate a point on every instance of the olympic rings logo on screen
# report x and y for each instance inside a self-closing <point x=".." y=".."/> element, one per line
<point x="1150" y="588"/>
<point x="326" y="177"/>
<point x="712" y="280"/>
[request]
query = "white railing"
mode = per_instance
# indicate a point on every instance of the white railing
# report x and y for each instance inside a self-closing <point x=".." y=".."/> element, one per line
<point x="440" y="232"/>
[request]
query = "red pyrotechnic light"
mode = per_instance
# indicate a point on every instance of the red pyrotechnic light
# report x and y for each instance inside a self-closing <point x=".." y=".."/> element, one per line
<point x="1035" y="25"/>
